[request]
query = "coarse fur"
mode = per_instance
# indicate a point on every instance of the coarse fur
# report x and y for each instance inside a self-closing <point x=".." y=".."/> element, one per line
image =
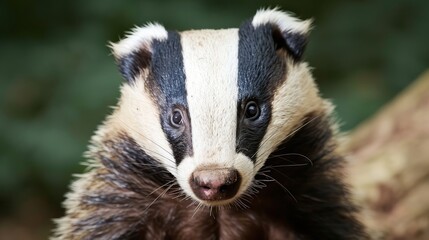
<point x="141" y="165"/>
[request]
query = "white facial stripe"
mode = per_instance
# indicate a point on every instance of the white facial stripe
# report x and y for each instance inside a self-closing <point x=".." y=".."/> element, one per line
<point x="210" y="61"/>
<point x="295" y="98"/>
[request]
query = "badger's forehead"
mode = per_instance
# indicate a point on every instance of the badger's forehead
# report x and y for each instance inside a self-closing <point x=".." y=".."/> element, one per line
<point x="230" y="61"/>
<point x="210" y="66"/>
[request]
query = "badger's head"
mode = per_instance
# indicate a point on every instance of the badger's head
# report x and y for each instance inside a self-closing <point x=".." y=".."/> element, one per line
<point x="212" y="105"/>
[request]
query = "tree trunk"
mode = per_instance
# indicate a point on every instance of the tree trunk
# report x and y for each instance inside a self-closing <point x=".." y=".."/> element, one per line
<point x="389" y="166"/>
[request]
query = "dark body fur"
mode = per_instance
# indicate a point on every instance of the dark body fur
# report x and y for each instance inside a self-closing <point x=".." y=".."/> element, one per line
<point x="123" y="198"/>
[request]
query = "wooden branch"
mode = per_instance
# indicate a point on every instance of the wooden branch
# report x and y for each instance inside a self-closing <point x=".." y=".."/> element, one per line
<point x="389" y="166"/>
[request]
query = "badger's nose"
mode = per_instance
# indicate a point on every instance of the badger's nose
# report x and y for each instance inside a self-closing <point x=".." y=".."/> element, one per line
<point x="215" y="184"/>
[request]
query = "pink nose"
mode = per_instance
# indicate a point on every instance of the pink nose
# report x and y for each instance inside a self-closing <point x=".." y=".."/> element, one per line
<point x="215" y="184"/>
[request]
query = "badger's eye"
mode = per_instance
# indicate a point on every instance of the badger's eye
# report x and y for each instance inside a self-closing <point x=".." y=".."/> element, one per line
<point x="252" y="111"/>
<point x="176" y="118"/>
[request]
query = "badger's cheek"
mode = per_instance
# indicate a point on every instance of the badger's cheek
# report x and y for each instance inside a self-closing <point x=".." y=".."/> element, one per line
<point x="215" y="183"/>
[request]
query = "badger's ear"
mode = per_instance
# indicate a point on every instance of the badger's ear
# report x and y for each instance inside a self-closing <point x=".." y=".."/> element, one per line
<point x="289" y="33"/>
<point x="134" y="52"/>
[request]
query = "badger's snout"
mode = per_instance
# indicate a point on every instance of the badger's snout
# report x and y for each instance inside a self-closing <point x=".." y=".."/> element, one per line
<point x="215" y="184"/>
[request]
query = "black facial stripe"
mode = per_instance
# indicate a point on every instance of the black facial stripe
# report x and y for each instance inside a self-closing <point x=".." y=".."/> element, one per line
<point x="260" y="70"/>
<point x="168" y="89"/>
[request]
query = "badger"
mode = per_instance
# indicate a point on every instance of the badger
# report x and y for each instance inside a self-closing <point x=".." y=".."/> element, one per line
<point x="218" y="134"/>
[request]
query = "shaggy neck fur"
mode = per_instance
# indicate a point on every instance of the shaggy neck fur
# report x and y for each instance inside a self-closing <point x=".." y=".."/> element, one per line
<point x="128" y="195"/>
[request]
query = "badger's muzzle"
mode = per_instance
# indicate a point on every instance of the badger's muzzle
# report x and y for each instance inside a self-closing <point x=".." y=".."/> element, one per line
<point x="215" y="184"/>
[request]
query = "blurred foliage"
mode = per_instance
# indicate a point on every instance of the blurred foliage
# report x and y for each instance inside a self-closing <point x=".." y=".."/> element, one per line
<point x="58" y="78"/>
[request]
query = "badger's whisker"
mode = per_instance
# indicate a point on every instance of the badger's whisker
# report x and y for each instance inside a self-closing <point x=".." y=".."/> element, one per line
<point x="198" y="208"/>
<point x="240" y="205"/>
<point x="169" y="182"/>
<point x="289" y="165"/>
<point x="281" y="185"/>
<point x="159" y="196"/>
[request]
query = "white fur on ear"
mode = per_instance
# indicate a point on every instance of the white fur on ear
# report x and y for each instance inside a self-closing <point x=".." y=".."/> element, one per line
<point x="282" y="20"/>
<point x="138" y="38"/>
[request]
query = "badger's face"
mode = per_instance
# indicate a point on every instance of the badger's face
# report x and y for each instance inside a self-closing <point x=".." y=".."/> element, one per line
<point x="212" y="105"/>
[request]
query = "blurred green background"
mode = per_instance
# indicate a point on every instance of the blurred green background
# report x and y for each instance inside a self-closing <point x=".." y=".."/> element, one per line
<point x="58" y="79"/>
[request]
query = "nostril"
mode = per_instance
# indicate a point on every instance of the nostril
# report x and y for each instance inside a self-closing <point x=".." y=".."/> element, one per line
<point x="223" y="188"/>
<point x="215" y="184"/>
